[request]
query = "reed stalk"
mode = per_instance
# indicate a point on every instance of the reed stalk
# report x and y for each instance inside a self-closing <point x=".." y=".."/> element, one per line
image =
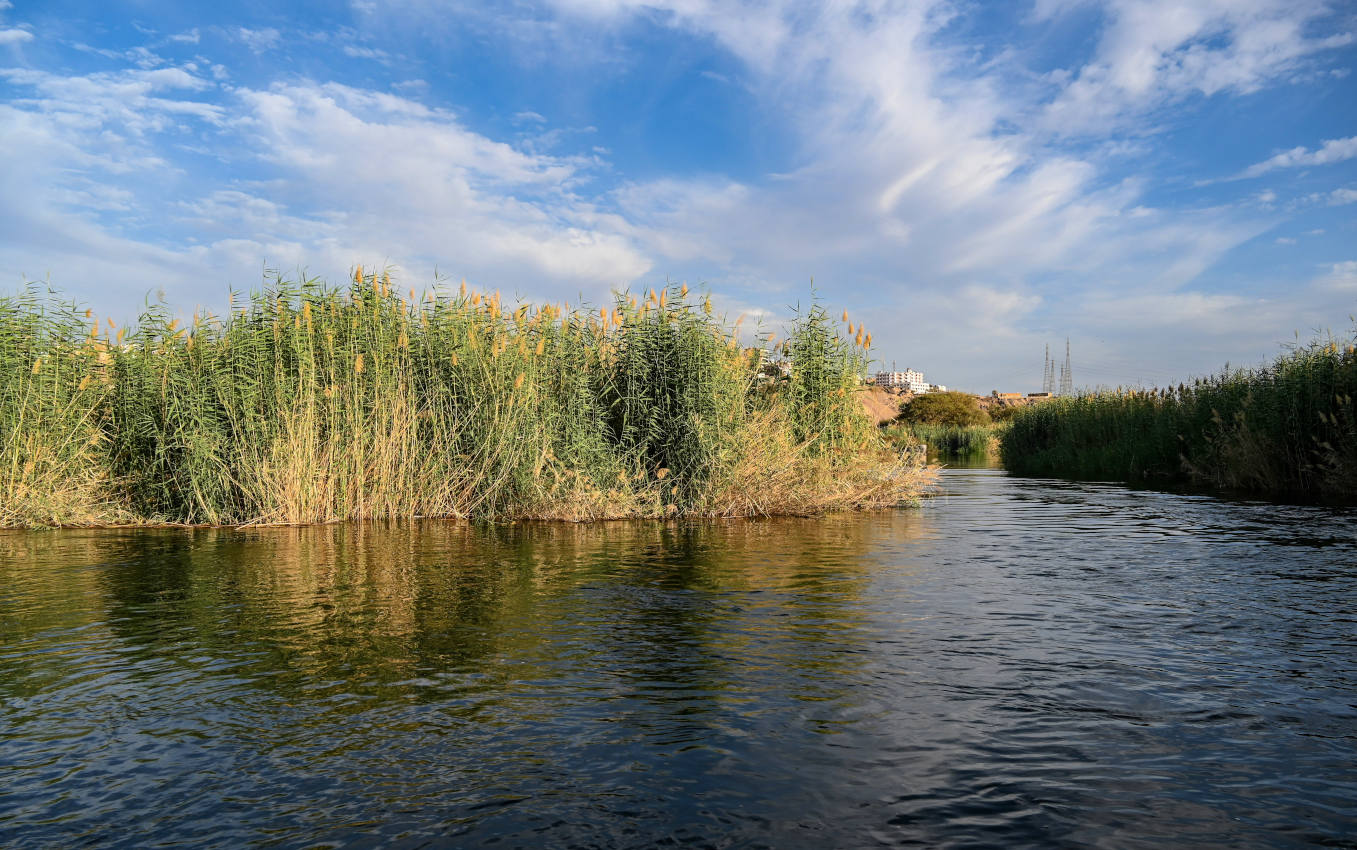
<point x="1288" y="428"/>
<point x="971" y="442"/>
<point x="309" y="403"/>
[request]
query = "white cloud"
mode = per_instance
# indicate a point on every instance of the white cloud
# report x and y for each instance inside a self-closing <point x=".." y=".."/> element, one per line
<point x="905" y="180"/>
<point x="358" y="52"/>
<point x="1341" y="277"/>
<point x="188" y="37"/>
<point x="1333" y="198"/>
<point x="123" y="105"/>
<point x="1342" y="196"/>
<point x="942" y="194"/>
<point x="1152" y="53"/>
<point x="15" y="36"/>
<point x="258" y="40"/>
<point x="1213" y="312"/>
<point x="1333" y="150"/>
<point x="359" y="177"/>
<point x="908" y="193"/>
<point x="430" y="190"/>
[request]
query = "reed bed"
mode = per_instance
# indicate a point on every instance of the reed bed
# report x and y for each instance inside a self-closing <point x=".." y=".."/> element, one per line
<point x="1289" y="428"/>
<point x="308" y="403"/>
<point x="973" y="442"/>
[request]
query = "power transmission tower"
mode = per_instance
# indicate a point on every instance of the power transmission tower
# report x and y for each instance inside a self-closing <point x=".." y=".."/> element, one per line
<point x="1048" y="372"/>
<point x="1067" y="372"/>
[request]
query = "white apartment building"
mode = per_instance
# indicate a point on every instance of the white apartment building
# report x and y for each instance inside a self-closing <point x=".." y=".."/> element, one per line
<point x="909" y="379"/>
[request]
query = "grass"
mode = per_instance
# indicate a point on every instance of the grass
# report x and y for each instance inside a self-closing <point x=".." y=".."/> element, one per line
<point x="1288" y="428"/>
<point x="307" y="403"/>
<point x="971" y="442"/>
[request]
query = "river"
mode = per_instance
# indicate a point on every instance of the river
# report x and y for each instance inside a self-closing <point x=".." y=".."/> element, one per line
<point x="1021" y="663"/>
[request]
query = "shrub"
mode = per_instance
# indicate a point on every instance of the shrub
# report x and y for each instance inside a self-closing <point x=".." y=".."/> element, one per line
<point x="949" y="408"/>
<point x="1002" y="412"/>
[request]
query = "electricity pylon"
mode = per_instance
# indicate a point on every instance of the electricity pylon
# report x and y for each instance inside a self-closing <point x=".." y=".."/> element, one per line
<point x="1067" y="372"/>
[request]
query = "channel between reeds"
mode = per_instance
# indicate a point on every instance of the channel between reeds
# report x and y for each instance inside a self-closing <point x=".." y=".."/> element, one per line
<point x="308" y="403"/>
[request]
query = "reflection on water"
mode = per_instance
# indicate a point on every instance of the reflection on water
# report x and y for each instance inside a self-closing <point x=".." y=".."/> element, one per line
<point x="1021" y="663"/>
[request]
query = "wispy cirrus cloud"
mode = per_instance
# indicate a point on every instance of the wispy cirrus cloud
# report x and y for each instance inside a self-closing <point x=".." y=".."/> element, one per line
<point x="1331" y="151"/>
<point x="919" y="174"/>
<point x="338" y="176"/>
<point x="905" y="179"/>
<point x="926" y="173"/>
<point x="258" y="40"/>
<point x="1154" y="53"/>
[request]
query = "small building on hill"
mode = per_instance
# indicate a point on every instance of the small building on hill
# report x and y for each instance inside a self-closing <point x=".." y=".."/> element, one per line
<point x="909" y="379"/>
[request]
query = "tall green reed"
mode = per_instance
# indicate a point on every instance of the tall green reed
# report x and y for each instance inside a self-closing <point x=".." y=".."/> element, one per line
<point x="306" y="403"/>
<point x="54" y="387"/>
<point x="1285" y="428"/>
<point x="972" y="442"/>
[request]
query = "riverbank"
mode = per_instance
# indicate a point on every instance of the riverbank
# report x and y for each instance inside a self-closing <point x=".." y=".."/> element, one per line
<point x="1289" y="428"/>
<point x="309" y="404"/>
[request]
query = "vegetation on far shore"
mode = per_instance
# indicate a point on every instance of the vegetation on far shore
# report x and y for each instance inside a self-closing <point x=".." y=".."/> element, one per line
<point x="1289" y="428"/>
<point x="944" y="408"/>
<point x="949" y="442"/>
<point x="308" y="403"/>
<point x="951" y="424"/>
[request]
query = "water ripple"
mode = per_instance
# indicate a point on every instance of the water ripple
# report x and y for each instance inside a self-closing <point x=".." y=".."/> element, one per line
<point x="1022" y="663"/>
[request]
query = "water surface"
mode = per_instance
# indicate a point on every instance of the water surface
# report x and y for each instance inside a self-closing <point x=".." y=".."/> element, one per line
<point x="1022" y="663"/>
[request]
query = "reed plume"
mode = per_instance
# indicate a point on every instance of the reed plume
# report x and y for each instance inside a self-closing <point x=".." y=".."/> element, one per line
<point x="306" y="403"/>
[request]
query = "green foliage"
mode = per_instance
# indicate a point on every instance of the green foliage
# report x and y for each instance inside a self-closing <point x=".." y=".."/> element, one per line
<point x="1002" y="412"/>
<point x="973" y="442"/>
<point x="53" y="393"/>
<point x="949" y="408"/>
<point x="308" y="404"/>
<point x="1289" y="427"/>
<point x="674" y="392"/>
<point x="822" y="394"/>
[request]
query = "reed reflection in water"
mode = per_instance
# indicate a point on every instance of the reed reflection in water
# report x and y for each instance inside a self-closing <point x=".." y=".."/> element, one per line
<point x="1023" y="663"/>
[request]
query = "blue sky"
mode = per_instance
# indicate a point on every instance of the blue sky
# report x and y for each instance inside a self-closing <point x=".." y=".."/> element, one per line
<point x="1171" y="185"/>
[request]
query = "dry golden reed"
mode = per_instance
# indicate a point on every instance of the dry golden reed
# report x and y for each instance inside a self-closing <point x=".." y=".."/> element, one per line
<point x="311" y="404"/>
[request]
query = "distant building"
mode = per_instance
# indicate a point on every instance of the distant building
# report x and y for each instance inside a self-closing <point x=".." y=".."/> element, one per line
<point x="936" y="388"/>
<point x="1040" y="395"/>
<point x="772" y="370"/>
<point x="909" y="379"/>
